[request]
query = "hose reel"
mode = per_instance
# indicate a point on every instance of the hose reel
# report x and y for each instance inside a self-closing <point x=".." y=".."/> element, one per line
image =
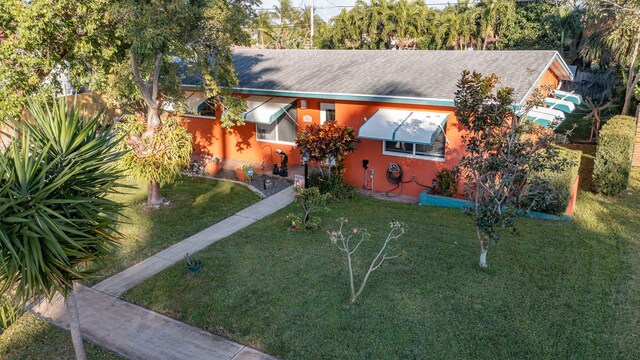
<point x="394" y="173"/>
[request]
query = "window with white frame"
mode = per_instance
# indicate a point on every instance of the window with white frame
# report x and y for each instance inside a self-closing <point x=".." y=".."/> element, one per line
<point x="436" y="151"/>
<point x="327" y="113"/>
<point x="283" y="130"/>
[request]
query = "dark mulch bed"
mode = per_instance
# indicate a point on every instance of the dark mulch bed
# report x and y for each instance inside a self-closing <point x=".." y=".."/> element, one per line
<point x="258" y="180"/>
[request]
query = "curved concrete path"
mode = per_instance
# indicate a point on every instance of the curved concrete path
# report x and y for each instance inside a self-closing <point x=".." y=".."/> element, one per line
<point x="138" y="333"/>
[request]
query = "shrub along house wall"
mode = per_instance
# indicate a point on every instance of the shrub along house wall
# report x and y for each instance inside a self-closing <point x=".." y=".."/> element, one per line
<point x="556" y="192"/>
<point x="613" y="155"/>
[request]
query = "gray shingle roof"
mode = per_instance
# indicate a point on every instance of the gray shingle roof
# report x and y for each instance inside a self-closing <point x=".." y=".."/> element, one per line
<point x="420" y="74"/>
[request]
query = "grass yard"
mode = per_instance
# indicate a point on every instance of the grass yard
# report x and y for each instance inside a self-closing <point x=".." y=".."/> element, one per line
<point x="558" y="290"/>
<point x="31" y="338"/>
<point x="195" y="204"/>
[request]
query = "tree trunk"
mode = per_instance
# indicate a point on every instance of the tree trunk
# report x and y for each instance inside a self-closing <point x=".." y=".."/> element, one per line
<point x="153" y="194"/>
<point x="153" y="118"/>
<point x="483" y="256"/>
<point x="74" y="325"/>
<point x="483" y="249"/>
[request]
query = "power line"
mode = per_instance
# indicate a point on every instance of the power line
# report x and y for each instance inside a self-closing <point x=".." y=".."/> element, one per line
<point x="476" y="2"/>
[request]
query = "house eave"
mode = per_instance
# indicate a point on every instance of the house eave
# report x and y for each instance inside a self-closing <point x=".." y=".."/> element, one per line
<point x="556" y="59"/>
<point x="337" y="96"/>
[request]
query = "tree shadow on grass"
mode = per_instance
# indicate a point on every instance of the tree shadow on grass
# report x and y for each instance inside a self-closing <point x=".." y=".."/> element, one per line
<point x="586" y="164"/>
<point x="559" y="289"/>
<point x="33" y="338"/>
<point x="194" y="204"/>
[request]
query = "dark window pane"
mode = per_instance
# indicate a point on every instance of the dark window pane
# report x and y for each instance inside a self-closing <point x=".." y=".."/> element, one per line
<point x="283" y="129"/>
<point x="398" y="147"/>
<point x="207" y="108"/>
<point x="330" y="115"/>
<point x="435" y="150"/>
<point x="287" y="130"/>
<point x="267" y="132"/>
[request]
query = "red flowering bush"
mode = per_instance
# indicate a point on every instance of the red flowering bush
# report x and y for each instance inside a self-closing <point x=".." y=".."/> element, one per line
<point x="328" y="141"/>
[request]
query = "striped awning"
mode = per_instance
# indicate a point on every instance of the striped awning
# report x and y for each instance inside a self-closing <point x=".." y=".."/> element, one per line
<point x="545" y="116"/>
<point x="417" y="127"/>
<point x="266" y="109"/>
<point x="562" y="105"/>
<point x="568" y="96"/>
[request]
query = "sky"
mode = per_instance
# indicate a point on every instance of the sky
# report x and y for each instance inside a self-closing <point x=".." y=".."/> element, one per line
<point x="327" y="9"/>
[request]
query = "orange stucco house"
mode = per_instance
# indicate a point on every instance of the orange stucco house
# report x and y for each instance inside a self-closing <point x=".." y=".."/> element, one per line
<point x="399" y="102"/>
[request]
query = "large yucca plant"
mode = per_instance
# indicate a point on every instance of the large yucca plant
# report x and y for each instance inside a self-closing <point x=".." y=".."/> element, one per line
<point x="55" y="214"/>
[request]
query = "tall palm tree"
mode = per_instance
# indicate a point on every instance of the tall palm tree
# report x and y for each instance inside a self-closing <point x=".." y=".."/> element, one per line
<point x="56" y="217"/>
<point x="427" y="25"/>
<point x="406" y="19"/>
<point x="263" y="25"/>
<point x="494" y="17"/>
<point x="379" y="15"/>
<point x="350" y="27"/>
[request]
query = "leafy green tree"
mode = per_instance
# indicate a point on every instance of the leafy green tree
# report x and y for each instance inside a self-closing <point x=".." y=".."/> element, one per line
<point x="263" y="26"/>
<point x="501" y="149"/>
<point x="160" y="42"/>
<point x="44" y="38"/>
<point x="567" y="21"/>
<point x="56" y="216"/>
<point x="617" y="37"/>
<point x="350" y="28"/>
<point x="530" y="32"/>
<point x="495" y="18"/>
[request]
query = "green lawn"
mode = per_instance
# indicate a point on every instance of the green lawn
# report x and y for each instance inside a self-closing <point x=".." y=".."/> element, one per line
<point x="195" y="204"/>
<point x="559" y="290"/>
<point x="31" y="338"/>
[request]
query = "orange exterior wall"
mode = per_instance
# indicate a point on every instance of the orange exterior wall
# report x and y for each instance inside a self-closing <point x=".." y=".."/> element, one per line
<point x="240" y="143"/>
<point x="549" y="78"/>
<point x="352" y="114"/>
<point x="571" y="207"/>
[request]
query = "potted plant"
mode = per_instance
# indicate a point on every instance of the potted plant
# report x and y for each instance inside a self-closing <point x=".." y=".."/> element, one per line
<point x="193" y="265"/>
<point x="245" y="172"/>
<point x="213" y="165"/>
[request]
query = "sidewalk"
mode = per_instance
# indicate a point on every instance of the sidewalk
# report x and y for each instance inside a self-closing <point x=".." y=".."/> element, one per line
<point x="125" y="280"/>
<point x="138" y="333"/>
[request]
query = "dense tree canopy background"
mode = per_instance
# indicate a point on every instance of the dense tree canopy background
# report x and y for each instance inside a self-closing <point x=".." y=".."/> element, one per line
<point x="595" y="35"/>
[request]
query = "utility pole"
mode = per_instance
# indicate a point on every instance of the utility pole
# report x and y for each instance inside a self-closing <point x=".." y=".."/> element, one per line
<point x="312" y="15"/>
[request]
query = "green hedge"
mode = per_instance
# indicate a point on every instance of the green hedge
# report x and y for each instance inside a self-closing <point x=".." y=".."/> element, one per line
<point x="613" y="155"/>
<point x="550" y="192"/>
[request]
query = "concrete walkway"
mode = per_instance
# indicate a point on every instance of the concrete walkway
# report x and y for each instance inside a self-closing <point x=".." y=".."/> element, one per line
<point x="139" y="333"/>
<point x="125" y="280"/>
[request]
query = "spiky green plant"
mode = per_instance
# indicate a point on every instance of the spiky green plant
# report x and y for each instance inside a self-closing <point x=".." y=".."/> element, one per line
<point x="55" y="214"/>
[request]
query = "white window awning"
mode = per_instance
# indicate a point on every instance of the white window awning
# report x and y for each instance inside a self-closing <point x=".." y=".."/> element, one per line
<point x="194" y="100"/>
<point x="417" y="127"/>
<point x="568" y="96"/>
<point x="543" y="117"/>
<point x="563" y="105"/>
<point x="553" y="112"/>
<point x="266" y="109"/>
